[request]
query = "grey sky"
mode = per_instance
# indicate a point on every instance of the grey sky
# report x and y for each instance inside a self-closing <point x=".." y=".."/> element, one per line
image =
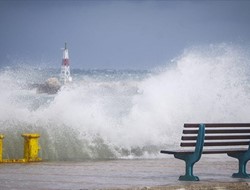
<point x="116" y="34"/>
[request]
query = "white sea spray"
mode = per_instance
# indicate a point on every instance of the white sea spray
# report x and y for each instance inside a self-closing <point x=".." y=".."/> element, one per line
<point x="109" y="114"/>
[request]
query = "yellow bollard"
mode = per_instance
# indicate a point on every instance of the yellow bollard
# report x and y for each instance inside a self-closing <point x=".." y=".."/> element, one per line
<point x="1" y="147"/>
<point x="31" y="147"/>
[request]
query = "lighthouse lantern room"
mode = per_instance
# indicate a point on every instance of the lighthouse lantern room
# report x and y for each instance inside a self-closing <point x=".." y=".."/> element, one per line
<point x="65" y="68"/>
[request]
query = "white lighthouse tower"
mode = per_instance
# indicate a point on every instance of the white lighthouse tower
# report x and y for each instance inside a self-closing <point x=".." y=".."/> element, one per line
<point x="65" y="69"/>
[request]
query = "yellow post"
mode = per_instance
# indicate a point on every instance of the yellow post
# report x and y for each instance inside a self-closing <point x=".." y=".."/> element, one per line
<point x="1" y="147"/>
<point x="31" y="147"/>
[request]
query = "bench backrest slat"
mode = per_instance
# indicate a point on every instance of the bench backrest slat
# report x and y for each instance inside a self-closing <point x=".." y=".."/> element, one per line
<point x="232" y="143"/>
<point x="209" y="131"/>
<point x="217" y="131"/>
<point x="218" y="134"/>
<point x="219" y="125"/>
<point x="229" y="137"/>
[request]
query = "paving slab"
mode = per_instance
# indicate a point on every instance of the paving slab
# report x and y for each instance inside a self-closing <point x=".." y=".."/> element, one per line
<point x="120" y="174"/>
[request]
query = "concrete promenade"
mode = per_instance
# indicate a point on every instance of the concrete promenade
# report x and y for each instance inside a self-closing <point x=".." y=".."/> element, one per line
<point x="121" y="174"/>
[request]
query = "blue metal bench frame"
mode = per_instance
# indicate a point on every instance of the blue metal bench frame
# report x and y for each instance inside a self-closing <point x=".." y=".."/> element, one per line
<point x="192" y="158"/>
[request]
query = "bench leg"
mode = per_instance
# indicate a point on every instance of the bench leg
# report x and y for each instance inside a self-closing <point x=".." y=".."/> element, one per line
<point x="242" y="170"/>
<point x="189" y="173"/>
<point x="243" y="159"/>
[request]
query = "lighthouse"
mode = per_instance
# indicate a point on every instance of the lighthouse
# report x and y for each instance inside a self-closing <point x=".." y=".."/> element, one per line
<point x="65" y="69"/>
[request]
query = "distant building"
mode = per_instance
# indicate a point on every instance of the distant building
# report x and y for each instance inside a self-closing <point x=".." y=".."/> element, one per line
<point x="65" y="68"/>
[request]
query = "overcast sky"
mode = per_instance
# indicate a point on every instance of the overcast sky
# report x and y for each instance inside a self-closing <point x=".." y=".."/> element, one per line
<point x="120" y="34"/>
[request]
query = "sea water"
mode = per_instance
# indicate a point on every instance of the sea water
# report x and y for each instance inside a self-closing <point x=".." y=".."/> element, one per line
<point x="113" y="114"/>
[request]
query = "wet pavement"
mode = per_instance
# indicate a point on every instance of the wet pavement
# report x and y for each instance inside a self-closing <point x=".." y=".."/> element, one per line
<point x="111" y="174"/>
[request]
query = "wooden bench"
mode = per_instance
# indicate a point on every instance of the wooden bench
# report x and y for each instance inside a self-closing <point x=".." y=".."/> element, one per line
<point x="232" y="139"/>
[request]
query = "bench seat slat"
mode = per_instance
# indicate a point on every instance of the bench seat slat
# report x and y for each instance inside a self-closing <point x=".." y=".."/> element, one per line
<point x="229" y="137"/>
<point x="223" y="151"/>
<point x="177" y="151"/>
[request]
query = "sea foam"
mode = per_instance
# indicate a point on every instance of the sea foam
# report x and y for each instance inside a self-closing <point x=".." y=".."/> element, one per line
<point x="112" y="115"/>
